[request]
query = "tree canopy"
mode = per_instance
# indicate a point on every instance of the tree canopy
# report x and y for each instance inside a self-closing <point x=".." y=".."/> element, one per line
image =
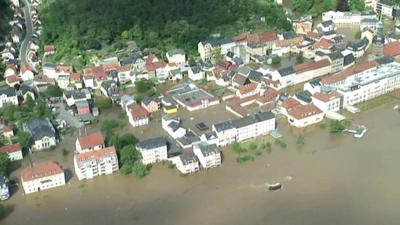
<point x="4" y="163"/>
<point x="76" y="25"/>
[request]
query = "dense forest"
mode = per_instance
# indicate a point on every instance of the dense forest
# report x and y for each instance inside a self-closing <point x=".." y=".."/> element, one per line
<point x="5" y="17"/>
<point x="79" y="25"/>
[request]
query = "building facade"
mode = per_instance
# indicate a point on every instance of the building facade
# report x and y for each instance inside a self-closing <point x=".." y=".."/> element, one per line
<point x="42" y="176"/>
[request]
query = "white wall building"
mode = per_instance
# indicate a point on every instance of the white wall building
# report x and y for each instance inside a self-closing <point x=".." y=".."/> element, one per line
<point x="153" y="150"/>
<point x="304" y="115"/>
<point x="173" y="127"/>
<point x="8" y="96"/>
<point x="187" y="163"/>
<point x="327" y="102"/>
<point x="195" y="73"/>
<point x="90" y="142"/>
<point x="95" y="163"/>
<point x="208" y="155"/>
<point x="42" y="176"/>
<point x="13" y="151"/>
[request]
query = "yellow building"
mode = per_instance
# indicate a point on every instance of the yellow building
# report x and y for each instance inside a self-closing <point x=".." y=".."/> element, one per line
<point x="171" y="109"/>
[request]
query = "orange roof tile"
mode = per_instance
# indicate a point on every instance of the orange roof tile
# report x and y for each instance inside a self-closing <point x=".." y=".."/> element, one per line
<point x="290" y="103"/>
<point x="308" y="66"/>
<point x="137" y="111"/>
<point x="95" y="155"/>
<point x="303" y="111"/>
<point x="247" y="88"/>
<point x="349" y="72"/>
<point x="391" y="49"/>
<point x="41" y="170"/>
<point x="326" y="97"/>
<point x="91" y="140"/>
<point x="11" y="148"/>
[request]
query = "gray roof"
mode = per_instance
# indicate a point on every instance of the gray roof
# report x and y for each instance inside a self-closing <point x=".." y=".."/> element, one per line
<point x="9" y="92"/>
<point x="358" y="45"/>
<point x="189" y="138"/>
<point x="210" y="135"/>
<point x="243" y="122"/>
<point x="255" y="76"/>
<point x="304" y="96"/>
<point x="327" y="23"/>
<point x="25" y="89"/>
<point x="39" y="128"/>
<point x="385" y="60"/>
<point x="286" y="71"/>
<point x="152" y="143"/>
<point x="174" y="125"/>
<point x="289" y="35"/>
<point x="147" y="100"/>
<point x="335" y="56"/>
<point x="348" y="59"/>
<point x="188" y="159"/>
<point x="195" y="69"/>
<point x="207" y="150"/>
<point x="226" y="125"/>
<point x="82" y="104"/>
<point x="262" y="116"/>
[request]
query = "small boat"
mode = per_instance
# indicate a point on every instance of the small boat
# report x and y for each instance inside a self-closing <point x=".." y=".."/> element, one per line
<point x="275" y="187"/>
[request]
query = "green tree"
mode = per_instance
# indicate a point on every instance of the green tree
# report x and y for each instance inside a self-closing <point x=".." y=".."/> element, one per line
<point x="357" y="5"/>
<point x="357" y="35"/>
<point x="24" y="139"/>
<point x="143" y="86"/>
<point x="300" y="58"/>
<point x="53" y="91"/>
<point x="4" y="163"/>
<point x="140" y="170"/>
<point x="127" y="139"/>
<point x="337" y="126"/>
<point x="217" y="54"/>
<point x="128" y="154"/>
<point x="276" y="60"/>
<point x="302" y="6"/>
<point x="126" y="168"/>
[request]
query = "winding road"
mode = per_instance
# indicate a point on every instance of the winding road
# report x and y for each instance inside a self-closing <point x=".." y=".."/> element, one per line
<point x="28" y="33"/>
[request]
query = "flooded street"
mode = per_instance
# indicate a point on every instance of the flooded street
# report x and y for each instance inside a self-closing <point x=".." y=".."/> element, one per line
<point x="332" y="179"/>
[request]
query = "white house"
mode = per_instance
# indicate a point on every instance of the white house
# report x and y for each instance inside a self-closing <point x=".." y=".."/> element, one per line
<point x="13" y="151"/>
<point x="153" y="150"/>
<point x="196" y="73"/>
<point x="226" y="132"/>
<point x="90" y="142"/>
<point x="42" y="132"/>
<point x="26" y="73"/>
<point x="327" y="101"/>
<point x="253" y="126"/>
<point x="42" y="176"/>
<point x="187" y="163"/>
<point x="173" y="127"/>
<point x="137" y="115"/>
<point x="176" y="56"/>
<point x="208" y="155"/>
<point x="95" y="163"/>
<point x="8" y="96"/>
<point x="207" y="49"/>
<point x="305" y="115"/>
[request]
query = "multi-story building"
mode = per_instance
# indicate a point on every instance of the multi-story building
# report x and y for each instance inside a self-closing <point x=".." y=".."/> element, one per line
<point x="244" y="128"/>
<point x="137" y="115"/>
<point x="207" y="49"/>
<point x="327" y="101"/>
<point x="153" y="150"/>
<point x="366" y="81"/>
<point x="13" y="151"/>
<point x="347" y="18"/>
<point x="42" y="176"/>
<point x="187" y="163"/>
<point x="310" y="70"/>
<point x="90" y="142"/>
<point x="208" y="155"/>
<point x="304" y="115"/>
<point x="95" y="163"/>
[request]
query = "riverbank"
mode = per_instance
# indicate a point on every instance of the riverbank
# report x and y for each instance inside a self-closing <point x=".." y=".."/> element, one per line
<point x="332" y="179"/>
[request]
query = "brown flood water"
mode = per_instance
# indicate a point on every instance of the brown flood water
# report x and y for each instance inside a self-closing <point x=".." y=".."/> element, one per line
<point x="335" y="180"/>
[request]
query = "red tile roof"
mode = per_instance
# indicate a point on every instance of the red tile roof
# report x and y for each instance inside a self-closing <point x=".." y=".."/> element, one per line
<point x="156" y="65"/>
<point x="240" y="79"/>
<point x="349" y="72"/>
<point x="41" y="170"/>
<point x="290" y="103"/>
<point x="247" y="88"/>
<point x="326" y="97"/>
<point x="95" y="155"/>
<point x="111" y="66"/>
<point x="303" y="111"/>
<point x="323" y="44"/>
<point x="91" y="140"/>
<point x="11" y="148"/>
<point x="12" y="79"/>
<point x="268" y="36"/>
<point x="392" y="49"/>
<point x="308" y="66"/>
<point x="76" y="77"/>
<point x="64" y="69"/>
<point x="138" y="111"/>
